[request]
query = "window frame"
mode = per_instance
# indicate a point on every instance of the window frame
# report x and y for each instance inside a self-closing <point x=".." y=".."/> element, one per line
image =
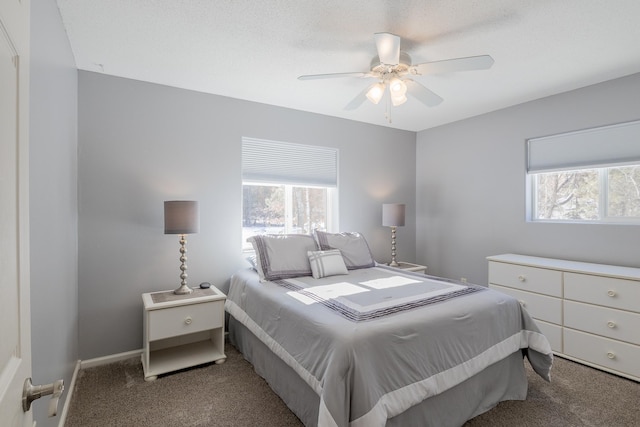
<point x="603" y="199"/>
<point x="331" y="208"/>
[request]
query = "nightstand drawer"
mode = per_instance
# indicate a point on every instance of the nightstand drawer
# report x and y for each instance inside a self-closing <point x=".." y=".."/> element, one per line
<point x="532" y="279"/>
<point x="608" y="353"/>
<point x="608" y="322"/>
<point x="607" y="291"/>
<point x="187" y="319"/>
<point x="539" y="306"/>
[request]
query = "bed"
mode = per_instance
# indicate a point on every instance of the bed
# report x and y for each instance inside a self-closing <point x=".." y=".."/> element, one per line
<point x="347" y="342"/>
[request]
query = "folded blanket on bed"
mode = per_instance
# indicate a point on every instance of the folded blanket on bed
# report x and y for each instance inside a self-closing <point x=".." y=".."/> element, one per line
<point x="364" y="298"/>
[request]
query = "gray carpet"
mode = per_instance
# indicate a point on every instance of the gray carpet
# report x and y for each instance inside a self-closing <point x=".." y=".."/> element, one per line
<point x="232" y="394"/>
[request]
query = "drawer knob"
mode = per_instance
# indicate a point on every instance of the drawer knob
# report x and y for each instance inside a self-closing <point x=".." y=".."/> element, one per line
<point x="188" y="320"/>
<point x="611" y="324"/>
<point x="611" y="293"/>
<point x="522" y="302"/>
<point x="611" y="355"/>
<point x="522" y="277"/>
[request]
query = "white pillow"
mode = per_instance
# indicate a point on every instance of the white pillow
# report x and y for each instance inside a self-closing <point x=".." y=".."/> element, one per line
<point x="282" y="256"/>
<point x="353" y="247"/>
<point x="326" y="263"/>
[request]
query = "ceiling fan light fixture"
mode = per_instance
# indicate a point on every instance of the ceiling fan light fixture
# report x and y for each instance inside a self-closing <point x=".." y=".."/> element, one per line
<point x="397" y="87"/>
<point x="375" y="92"/>
<point x="398" y="100"/>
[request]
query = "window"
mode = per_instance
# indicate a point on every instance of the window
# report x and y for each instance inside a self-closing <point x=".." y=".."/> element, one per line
<point x="586" y="176"/>
<point x="601" y="194"/>
<point x="287" y="188"/>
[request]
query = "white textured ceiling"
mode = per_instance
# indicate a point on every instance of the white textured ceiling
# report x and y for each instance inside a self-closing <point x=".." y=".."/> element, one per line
<point x="255" y="50"/>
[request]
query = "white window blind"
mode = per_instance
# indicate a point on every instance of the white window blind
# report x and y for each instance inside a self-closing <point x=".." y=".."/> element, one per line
<point x="287" y="163"/>
<point x="597" y="147"/>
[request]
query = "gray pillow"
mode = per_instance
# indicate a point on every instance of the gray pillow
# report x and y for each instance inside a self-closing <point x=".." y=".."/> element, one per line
<point x="353" y="247"/>
<point x="282" y="256"/>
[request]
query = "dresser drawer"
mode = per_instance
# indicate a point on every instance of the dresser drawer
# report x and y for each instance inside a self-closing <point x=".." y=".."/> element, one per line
<point x="608" y="322"/>
<point x="616" y="355"/>
<point x="187" y="319"/>
<point x="608" y="291"/>
<point x="553" y="334"/>
<point x="540" y="307"/>
<point x="539" y="280"/>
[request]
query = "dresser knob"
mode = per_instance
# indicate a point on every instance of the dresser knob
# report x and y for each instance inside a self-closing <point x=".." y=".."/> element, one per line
<point x="188" y="320"/>
<point x="522" y="277"/>
<point x="611" y="355"/>
<point x="611" y="324"/>
<point x="611" y="293"/>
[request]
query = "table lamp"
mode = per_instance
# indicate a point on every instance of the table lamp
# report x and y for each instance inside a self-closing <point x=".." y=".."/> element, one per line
<point x="181" y="217"/>
<point x="393" y="216"/>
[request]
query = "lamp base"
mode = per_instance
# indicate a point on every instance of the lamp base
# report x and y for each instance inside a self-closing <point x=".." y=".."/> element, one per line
<point x="183" y="290"/>
<point x="393" y="262"/>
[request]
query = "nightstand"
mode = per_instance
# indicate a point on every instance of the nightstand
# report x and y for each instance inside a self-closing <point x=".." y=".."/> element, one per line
<point x="416" y="268"/>
<point x="181" y="331"/>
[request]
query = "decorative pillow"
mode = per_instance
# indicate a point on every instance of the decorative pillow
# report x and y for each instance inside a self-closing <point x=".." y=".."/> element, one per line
<point x="353" y="247"/>
<point x="326" y="263"/>
<point x="281" y="256"/>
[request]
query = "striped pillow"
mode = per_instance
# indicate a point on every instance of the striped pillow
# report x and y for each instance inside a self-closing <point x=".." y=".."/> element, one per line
<point x="353" y="247"/>
<point x="282" y="256"/>
<point x="326" y="263"/>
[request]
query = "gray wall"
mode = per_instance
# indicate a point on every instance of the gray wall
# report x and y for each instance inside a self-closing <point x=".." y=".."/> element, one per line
<point x="470" y="183"/>
<point x="53" y="204"/>
<point x="141" y="144"/>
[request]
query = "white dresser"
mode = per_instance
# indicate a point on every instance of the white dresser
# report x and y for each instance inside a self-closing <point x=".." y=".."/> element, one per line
<point x="590" y="313"/>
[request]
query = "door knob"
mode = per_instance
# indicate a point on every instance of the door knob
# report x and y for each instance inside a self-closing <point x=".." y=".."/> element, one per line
<point x="31" y="393"/>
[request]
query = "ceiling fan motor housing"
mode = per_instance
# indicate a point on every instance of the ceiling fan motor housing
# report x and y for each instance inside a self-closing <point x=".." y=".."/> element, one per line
<point x="402" y="67"/>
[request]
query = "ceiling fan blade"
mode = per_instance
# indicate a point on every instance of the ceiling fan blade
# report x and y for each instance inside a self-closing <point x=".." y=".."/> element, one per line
<point x="333" y="76"/>
<point x="359" y="98"/>
<point x="388" y="46"/>
<point x="482" y="62"/>
<point x="422" y="94"/>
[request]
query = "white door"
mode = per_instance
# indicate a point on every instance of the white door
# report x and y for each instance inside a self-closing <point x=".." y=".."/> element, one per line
<point x="15" y="327"/>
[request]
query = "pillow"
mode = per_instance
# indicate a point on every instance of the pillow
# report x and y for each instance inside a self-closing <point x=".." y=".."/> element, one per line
<point x="251" y="259"/>
<point x="281" y="256"/>
<point x="353" y="247"/>
<point x="326" y="263"/>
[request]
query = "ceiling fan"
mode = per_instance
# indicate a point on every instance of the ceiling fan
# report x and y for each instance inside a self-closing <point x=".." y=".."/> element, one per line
<point x="392" y="69"/>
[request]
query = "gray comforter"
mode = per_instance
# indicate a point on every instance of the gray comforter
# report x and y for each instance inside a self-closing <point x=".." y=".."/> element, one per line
<point x="372" y="368"/>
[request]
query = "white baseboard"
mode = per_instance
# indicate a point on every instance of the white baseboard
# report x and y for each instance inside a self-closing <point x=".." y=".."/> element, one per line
<point x="90" y="363"/>
<point x="69" y="390"/>
<point x="105" y="360"/>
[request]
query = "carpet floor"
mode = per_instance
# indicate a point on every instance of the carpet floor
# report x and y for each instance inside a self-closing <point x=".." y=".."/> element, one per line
<point x="232" y="394"/>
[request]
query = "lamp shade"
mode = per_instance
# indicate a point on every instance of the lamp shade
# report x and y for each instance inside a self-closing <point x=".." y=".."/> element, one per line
<point x="375" y="92"/>
<point x="181" y="217"/>
<point x="393" y="214"/>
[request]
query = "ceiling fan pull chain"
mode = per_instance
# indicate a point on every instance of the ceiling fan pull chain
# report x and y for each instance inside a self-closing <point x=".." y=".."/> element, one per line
<point x="387" y="112"/>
